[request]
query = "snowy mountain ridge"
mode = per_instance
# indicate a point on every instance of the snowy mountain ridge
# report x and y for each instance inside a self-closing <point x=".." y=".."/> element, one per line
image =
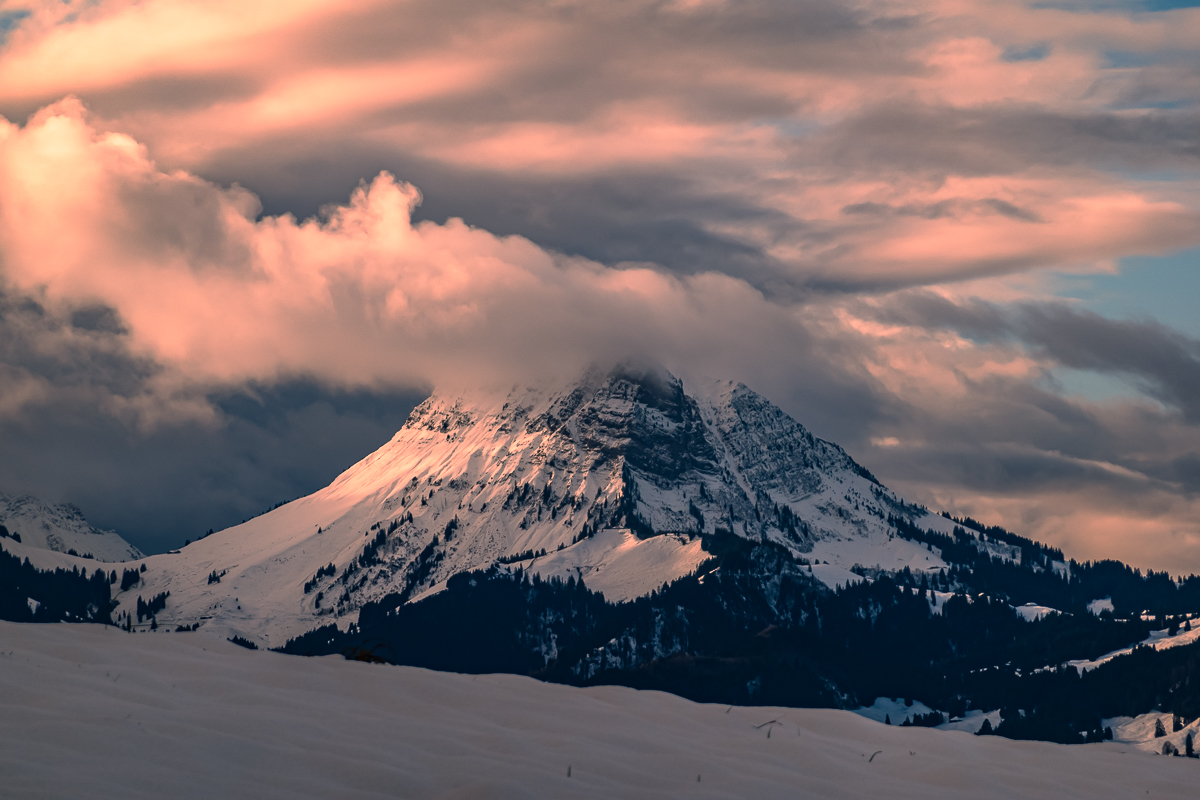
<point x="39" y="525"/>
<point x="614" y="479"/>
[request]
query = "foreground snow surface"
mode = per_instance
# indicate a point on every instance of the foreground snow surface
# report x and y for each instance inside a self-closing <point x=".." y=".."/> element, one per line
<point x="90" y="711"/>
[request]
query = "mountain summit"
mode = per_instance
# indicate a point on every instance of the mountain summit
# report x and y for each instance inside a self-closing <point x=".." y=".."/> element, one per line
<point x="59" y="528"/>
<point x="615" y="480"/>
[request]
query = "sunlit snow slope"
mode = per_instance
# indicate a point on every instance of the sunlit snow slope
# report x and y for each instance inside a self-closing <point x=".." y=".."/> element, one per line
<point x="616" y="478"/>
<point x="91" y="711"/>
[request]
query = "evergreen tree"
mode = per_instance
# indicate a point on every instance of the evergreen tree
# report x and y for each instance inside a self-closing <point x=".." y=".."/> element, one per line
<point x="1189" y="746"/>
<point x="130" y="578"/>
<point x="1159" y="730"/>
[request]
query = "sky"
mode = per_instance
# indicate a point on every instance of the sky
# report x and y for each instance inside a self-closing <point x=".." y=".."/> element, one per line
<point x="961" y="238"/>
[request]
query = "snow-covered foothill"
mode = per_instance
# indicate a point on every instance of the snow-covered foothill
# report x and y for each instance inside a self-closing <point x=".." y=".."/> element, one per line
<point x="44" y="559"/>
<point x="619" y="565"/>
<point x="833" y="576"/>
<point x="1098" y="607"/>
<point x="937" y="599"/>
<point x="60" y="529"/>
<point x="1159" y="640"/>
<point x="1032" y="612"/>
<point x="1139" y="732"/>
<point x="883" y="551"/>
<point x="90" y="711"/>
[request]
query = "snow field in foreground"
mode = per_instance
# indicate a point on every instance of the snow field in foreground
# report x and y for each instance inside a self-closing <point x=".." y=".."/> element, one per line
<point x="90" y="711"/>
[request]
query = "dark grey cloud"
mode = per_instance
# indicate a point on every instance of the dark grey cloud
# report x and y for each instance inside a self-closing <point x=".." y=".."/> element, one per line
<point x="98" y="319"/>
<point x="179" y="92"/>
<point x="80" y="351"/>
<point x="1185" y="470"/>
<point x="715" y="215"/>
<point x="1164" y="362"/>
<point x="1003" y="139"/>
<point x="1059" y="463"/>
<point x="1171" y="85"/>
<point x="622" y="52"/>
<point x="944" y="209"/>
<point x="661" y="217"/>
<point x="175" y="479"/>
<point x="599" y="54"/>
<point x="165" y="219"/>
<point x="1102" y="480"/>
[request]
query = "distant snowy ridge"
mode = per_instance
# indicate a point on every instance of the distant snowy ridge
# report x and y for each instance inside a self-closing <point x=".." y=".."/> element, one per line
<point x="1159" y="640"/>
<point x="37" y="524"/>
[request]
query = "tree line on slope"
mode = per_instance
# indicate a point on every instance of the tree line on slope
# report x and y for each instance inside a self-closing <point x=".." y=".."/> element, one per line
<point x="28" y="594"/>
<point x="720" y="636"/>
<point x="1070" y="586"/>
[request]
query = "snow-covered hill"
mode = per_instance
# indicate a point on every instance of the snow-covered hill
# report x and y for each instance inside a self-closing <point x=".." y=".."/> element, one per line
<point x="61" y="529"/>
<point x="90" y="711"/>
<point x="614" y="478"/>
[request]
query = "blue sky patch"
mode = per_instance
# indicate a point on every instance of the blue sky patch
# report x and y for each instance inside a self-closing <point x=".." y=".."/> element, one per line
<point x="1131" y="6"/>
<point x="1035" y="53"/>
<point x="10" y="21"/>
<point x="1162" y="288"/>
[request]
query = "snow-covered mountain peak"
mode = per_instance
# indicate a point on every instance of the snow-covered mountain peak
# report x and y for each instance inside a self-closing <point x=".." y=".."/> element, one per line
<point x="60" y="528"/>
<point x="616" y="479"/>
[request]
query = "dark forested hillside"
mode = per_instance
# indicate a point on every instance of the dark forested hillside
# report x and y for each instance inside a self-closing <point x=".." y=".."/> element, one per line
<point x="28" y="594"/>
<point x="752" y="626"/>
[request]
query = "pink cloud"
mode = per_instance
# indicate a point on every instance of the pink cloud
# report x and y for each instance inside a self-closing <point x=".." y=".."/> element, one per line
<point x="362" y="297"/>
<point x="576" y="92"/>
